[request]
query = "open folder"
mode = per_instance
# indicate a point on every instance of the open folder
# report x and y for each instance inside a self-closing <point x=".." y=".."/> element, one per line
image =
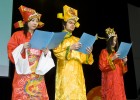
<point x="86" y="40"/>
<point x="45" y="39"/>
<point x="124" y="49"/>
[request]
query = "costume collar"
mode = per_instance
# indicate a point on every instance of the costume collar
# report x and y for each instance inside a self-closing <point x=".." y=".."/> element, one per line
<point x="69" y="34"/>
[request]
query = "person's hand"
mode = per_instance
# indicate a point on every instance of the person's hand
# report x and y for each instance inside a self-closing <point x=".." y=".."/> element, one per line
<point x="116" y="56"/>
<point x="125" y="60"/>
<point x="89" y="49"/>
<point x="75" y="46"/>
<point x="26" y="45"/>
<point x="45" y="50"/>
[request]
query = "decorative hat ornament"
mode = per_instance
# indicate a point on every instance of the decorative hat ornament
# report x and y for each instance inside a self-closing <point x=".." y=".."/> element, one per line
<point x="27" y="15"/>
<point x="110" y="32"/>
<point x="69" y="13"/>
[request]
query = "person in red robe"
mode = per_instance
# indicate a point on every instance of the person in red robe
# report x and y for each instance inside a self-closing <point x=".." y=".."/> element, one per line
<point x="112" y="69"/>
<point x="28" y="82"/>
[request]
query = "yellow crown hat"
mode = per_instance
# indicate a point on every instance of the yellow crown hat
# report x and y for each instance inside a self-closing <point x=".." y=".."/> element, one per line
<point x="69" y="13"/>
<point x="110" y="32"/>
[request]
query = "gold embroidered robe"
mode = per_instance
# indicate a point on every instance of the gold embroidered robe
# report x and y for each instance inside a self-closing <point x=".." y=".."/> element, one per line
<point x="70" y="82"/>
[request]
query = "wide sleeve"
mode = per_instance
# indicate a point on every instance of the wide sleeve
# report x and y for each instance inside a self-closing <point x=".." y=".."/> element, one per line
<point x="61" y="51"/>
<point x="67" y="54"/>
<point x="86" y="58"/>
<point x="125" y="69"/>
<point x="105" y="62"/>
<point x="45" y="64"/>
<point x="123" y="66"/>
<point x="21" y="64"/>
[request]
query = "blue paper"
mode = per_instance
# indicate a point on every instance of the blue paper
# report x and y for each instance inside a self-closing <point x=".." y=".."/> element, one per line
<point x="45" y="39"/>
<point x="124" y="49"/>
<point x="86" y="40"/>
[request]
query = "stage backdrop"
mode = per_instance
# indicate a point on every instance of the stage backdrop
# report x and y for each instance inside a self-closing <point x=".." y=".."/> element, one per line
<point x="5" y="33"/>
<point x="134" y="22"/>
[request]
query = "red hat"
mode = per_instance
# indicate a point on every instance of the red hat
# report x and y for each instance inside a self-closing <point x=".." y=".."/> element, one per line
<point x="27" y="15"/>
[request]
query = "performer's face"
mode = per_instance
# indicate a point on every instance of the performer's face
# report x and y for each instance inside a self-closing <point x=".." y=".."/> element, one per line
<point x="114" y="41"/>
<point x="33" y="23"/>
<point x="70" y="25"/>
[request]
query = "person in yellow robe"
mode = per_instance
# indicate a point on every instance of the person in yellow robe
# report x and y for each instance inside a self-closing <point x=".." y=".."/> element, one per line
<point x="70" y="82"/>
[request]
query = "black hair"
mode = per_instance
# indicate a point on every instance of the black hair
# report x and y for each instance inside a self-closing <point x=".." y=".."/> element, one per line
<point x="25" y="29"/>
<point x="109" y="43"/>
<point x="63" y="24"/>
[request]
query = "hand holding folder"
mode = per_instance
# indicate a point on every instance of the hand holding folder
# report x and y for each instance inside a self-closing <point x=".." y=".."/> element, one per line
<point x="124" y="49"/>
<point x="86" y="40"/>
<point x="45" y="39"/>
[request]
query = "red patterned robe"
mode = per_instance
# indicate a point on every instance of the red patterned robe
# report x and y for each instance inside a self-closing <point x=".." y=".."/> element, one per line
<point x="27" y="86"/>
<point x="112" y="77"/>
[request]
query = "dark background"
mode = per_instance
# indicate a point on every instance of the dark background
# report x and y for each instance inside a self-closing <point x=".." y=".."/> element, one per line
<point x="94" y="16"/>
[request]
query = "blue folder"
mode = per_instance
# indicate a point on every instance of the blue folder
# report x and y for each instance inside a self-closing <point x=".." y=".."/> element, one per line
<point x="45" y="39"/>
<point x="124" y="49"/>
<point x="86" y="40"/>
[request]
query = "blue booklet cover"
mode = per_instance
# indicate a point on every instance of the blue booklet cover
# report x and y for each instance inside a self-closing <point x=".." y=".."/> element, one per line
<point x="124" y="49"/>
<point x="45" y="39"/>
<point x="86" y="40"/>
